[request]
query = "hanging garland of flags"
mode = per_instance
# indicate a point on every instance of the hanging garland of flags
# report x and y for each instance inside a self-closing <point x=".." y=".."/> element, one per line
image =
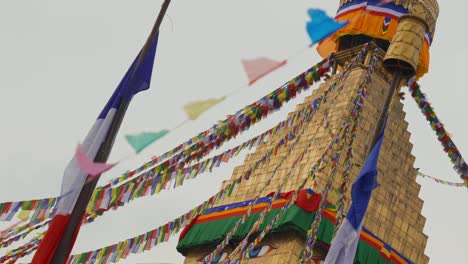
<point x="218" y="250"/>
<point x="448" y="183"/>
<point x="40" y="208"/>
<point x="23" y="250"/>
<point x="269" y="102"/>
<point x="459" y="164"/>
<point x="355" y="118"/>
<point x="133" y="245"/>
<point x="141" y="190"/>
<point x="318" y="29"/>
<point x="242" y="249"/>
<point x="335" y="160"/>
<point x="197" y="147"/>
<point x="275" y="196"/>
<point x="118" y="195"/>
<point x="215" y="253"/>
<point x="20" y="233"/>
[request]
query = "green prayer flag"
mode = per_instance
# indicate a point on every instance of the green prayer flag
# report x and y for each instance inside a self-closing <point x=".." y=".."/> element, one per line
<point x="144" y="139"/>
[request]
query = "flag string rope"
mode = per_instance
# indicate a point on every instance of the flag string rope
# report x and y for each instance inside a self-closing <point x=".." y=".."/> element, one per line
<point x="356" y="115"/>
<point x="202" y="144"/>
<point x="348" y="167"/>
<point x="308" y="78"/>
<point x="114" y="249"/>
<point x="459" y="164"/>
<point x="317" y="167"/>
<point x="454" y="184"/>
<point x="249" y="143"/>
<point x="6" y="205"/>
<point x="215" y="253"/>
<point x="239" y="250"/>
<point x="227" y="190"/>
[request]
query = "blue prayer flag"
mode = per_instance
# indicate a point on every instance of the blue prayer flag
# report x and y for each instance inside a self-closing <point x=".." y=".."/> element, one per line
<point x="321" y="25"/>
<point x="344" y="246"/>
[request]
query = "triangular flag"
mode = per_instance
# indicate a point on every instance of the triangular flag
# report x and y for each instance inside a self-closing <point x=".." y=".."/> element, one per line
<point x="321" y="25"/>
<point x="259" y="67"/>
<point x="86" y="165"/>
<point x="196" y="108"/>
<point x="144" y="139"/>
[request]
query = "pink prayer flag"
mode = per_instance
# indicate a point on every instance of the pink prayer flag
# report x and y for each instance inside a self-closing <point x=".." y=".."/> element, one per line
<point x="259" y="67"/>
<point x="93" y="169"/>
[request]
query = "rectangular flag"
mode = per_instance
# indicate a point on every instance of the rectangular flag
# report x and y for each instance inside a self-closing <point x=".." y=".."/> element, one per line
<point x="137" y="79"/>
<point x="344" y="246"/>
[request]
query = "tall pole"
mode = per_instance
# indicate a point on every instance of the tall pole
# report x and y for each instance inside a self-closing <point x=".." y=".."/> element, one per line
<point x="395" y="84"/>
<point x="70" y="233"/>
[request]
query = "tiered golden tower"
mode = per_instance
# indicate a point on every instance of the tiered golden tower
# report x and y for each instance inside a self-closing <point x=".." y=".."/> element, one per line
<point x="394" y="212"/>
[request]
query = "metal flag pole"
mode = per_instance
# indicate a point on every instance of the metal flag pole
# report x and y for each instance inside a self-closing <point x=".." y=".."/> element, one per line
<point x="68" y="237"/>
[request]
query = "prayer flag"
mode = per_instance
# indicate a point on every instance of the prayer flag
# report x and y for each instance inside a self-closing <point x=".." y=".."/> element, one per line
<point x="137" y="79"/>
<point x="86" y="165"/>
<point x="144" y="139"/>
<point x="196" y="108"/>
<point x="321" y="25"/>
<point x="259" y="67"/>
<point x="344" y="246"/>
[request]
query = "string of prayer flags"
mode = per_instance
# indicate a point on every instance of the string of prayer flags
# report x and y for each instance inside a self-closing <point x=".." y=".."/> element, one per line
<point x="146" y="241"/>
<point x="17" y="234"/>
<point x="5" y="232"/>
<point x="348" y="163"/>
<point x="316" y="103"/>
<point x="354" y="119"/>
<point x="218" y="134"/>
<point x="230" y="188"/>
<point x="241" y="121"/>
<point x="196" y="108"/>
<point x="259" y="67"/>
<point x="321" y="25"/>
<point x="93" y="169"/>
<point x="107" y="252"/>
<point x="138" y="244"/>
<point x="23" y="250"/>
<point x="196" y="147"/>
<point x="144" y="139"/>
<point x="38" y="208"/>
<point x="459" y="164"/>
<point x="225" y="192"/>
<point x="454" y="184"/>
<point x="106" y="198"/>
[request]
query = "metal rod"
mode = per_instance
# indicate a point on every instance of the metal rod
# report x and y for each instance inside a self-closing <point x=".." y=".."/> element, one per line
<point x="380" y="123"/>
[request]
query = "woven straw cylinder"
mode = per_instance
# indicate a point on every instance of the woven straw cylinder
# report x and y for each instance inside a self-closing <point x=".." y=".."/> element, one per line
<point x="404" y="50"/>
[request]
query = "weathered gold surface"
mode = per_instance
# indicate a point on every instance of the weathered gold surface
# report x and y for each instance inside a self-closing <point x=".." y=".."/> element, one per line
<point x="405" y="48"/>
<point x="427" y="10"/>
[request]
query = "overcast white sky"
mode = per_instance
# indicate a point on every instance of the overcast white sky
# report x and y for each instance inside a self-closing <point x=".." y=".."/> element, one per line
<point x="61" y="61"/>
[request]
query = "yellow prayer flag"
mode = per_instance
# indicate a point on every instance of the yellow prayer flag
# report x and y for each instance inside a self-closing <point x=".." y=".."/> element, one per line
<point x="196" y="108"/>
<point x="24" y="215"/>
